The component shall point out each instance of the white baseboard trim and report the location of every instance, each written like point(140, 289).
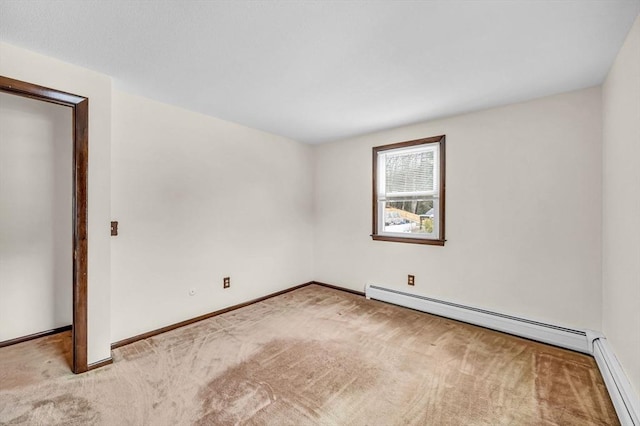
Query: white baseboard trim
point(590, 342)
point(559, 336)
point(622, 395)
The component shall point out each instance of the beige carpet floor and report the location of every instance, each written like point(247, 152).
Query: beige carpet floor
point(314, 356)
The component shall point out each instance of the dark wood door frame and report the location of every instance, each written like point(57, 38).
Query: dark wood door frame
point(80, 113)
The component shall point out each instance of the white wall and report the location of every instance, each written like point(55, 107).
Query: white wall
point(621, 206)
point(523, 215)
point(198, 199)
point(34, 68)
point(36, 244)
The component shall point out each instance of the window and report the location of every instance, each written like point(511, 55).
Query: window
point(408, 191)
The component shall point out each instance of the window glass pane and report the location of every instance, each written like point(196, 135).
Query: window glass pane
point(411, 216)
point(409, 172)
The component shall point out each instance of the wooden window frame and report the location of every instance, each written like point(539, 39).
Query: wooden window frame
point(80, 115)
point(375, 235)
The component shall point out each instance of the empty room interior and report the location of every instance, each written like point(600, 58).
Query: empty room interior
point(319, 212)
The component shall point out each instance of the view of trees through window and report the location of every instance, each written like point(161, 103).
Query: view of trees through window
point(409, 216)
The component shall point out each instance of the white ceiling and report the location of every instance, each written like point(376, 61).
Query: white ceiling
point(318, 71)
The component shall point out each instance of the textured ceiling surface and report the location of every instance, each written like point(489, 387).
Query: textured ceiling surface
point(317, 71)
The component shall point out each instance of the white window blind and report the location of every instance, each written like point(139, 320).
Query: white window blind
point(408, 173)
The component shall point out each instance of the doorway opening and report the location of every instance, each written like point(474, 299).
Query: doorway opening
point(80, 163)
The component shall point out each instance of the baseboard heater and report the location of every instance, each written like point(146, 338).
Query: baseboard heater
point(576, 340)
point(624, 400)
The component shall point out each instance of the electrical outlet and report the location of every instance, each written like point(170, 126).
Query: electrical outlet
point(226, 282)
point(411, 280)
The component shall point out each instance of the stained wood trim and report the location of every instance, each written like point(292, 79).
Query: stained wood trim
point(443, 188)
point(99, 364)
point(152, 333)
point(41, 93)
point(406, 144)
point(409, 240)
point(335, 287)
point(80, 116)
point(80, 246)
point(441, 139)
point(34, 336)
